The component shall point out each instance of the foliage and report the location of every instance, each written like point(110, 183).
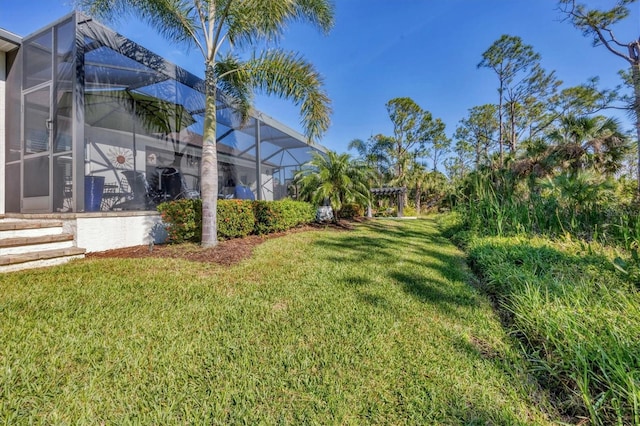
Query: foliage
point(577, 319)
point(599, 25)
point(373, 153)
point(351, 210)
point(334, 178)
point(582, 205)
point(524, 89)
point(182, 219)
point(237, 218)
point(415, 133)
point(275, 216)
point(317, 327)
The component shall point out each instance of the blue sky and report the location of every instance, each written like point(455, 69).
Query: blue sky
point(381, 49)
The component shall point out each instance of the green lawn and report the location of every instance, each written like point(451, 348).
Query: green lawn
point(373, 326)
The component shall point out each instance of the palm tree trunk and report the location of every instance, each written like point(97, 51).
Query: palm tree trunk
point(209, 170)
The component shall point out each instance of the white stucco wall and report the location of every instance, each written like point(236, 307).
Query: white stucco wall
point(3, 76)
point(100, 233)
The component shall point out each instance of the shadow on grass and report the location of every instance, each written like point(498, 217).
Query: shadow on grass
point(404, 254)
point(429, 291)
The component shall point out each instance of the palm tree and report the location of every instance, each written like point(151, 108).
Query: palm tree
point(335, 178)
point(218, 29)
point(589, 142)
point(375, 154)
point(417, 175)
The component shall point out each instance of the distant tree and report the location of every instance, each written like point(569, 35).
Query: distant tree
point(599, 25)
point(335, 178)
point(478, 134)
point(460, 164)
point(439, 143)
point(414, 129)
point(417, 175)
point(522, 89)
point(218, 29)
point(374, 153)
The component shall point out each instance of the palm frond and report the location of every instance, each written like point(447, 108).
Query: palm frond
point(288, 75)
point(252, 20)
point(176, 20)
point(235, 84)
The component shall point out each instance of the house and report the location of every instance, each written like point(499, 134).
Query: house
point(96, 130)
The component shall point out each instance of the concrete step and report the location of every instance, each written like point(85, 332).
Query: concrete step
point(18, 245)
point(28, 228)
point(38, 259)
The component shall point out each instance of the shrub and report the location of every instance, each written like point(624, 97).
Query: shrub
point(235, 219)
point(275, 216)
point(351, 210)
point(183, 219)
point(409, 211)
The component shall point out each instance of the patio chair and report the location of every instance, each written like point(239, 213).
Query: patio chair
point(170, 184)
point(139, 197)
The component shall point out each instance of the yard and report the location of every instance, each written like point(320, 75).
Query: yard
point(373, 325)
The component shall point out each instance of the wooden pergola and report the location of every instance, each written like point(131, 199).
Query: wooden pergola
point(390, 192)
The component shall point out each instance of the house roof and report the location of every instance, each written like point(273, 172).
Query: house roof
point(8, 41)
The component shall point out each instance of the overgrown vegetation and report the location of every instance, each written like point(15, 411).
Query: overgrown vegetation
point(547, 208)
point(577, 318)
point(236, 218)
point(560, 256)
point(372, 326)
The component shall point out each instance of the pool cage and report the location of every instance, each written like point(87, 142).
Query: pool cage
point(96, 122)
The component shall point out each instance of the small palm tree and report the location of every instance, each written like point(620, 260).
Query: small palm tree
point(417, 175)
point(336, 179)
point(375, 154)
point(582, 143)
point(219, 29)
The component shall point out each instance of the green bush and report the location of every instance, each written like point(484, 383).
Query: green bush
point(183, 220)
point(276, 216)
point(409, 211)
point(351, 210)
point(236, 218)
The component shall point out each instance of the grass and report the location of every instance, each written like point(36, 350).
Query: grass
point(374, 326)
point(578, 318)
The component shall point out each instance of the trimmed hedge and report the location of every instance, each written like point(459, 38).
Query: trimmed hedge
point(236, 218)
point(276, 216)
point(183, 220)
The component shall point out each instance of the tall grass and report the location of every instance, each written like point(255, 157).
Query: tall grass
point(562, 256)
point(583, 206)
point(578, 321)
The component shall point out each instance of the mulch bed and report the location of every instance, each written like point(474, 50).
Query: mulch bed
point(226, 253)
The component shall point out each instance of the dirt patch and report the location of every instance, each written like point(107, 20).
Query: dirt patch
point(226, 253)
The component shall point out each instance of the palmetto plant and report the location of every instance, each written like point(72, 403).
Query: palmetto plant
point(589, 142)
point(335, 178)
point(219, 29)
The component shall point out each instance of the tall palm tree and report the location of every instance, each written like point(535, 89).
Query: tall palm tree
point(219, 29)
point(335, 178)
